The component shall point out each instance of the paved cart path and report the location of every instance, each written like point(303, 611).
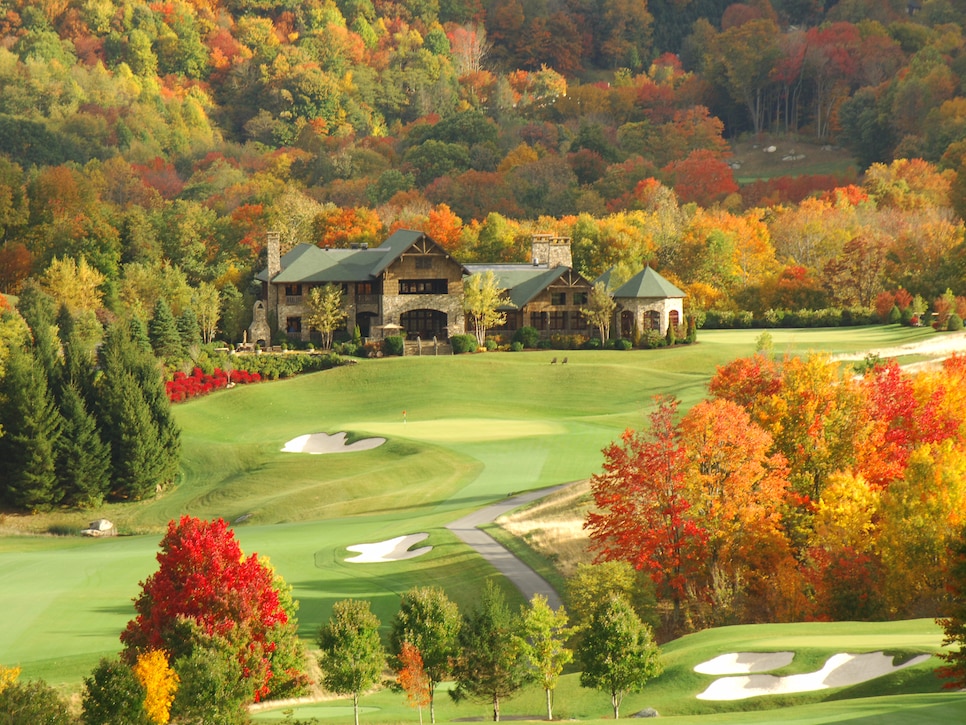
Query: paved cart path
point(523, 577)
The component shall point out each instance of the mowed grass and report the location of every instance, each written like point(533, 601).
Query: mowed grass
point(476, 429)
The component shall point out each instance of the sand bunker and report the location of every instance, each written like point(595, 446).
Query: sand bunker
point(390, 550)
point(336, 443)
point(743, 663)
point(841, 670)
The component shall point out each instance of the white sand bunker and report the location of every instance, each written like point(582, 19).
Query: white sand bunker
point(323, 443)
point(841, 670)
point(742, 663)
point(391, 550)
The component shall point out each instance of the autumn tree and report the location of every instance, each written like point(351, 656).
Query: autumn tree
point(204, 581)
point(542, 640)
point(160, 683)
point(600, 310)
point(326, 312)
point(482, 297)
point(74, 283)
point(429, 621)
point(642, 513)
point(413, 679)
point(352, 655)
point(618, 653)
point(489, 667)
point(738, 489)
point(953, 620)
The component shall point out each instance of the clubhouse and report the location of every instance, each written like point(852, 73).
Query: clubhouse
point(410, 285)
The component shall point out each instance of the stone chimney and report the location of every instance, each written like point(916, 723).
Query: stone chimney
point(273, 254)
point(273, 250)
point(550, 250)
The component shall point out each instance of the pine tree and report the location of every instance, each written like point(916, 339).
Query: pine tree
point(135, 419)
point(188, 329)
point(83, 458)
point(38, 311)
point(163, 333)
point(31, 427)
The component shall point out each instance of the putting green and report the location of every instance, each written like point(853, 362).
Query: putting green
point(463, 430)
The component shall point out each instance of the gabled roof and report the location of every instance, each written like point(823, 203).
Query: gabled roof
point(522, 282)
point(647, 284)
point(307, 263)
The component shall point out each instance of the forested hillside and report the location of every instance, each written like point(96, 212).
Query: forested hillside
point(147, 147)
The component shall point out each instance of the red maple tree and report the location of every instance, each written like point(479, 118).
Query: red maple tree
point(643, 512)
point(203, 577)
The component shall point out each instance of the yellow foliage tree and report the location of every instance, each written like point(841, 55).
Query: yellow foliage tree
point(8, 675)
point(160, 684)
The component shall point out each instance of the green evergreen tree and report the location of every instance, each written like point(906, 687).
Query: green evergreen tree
point(38, 310)
point(31, 427)
point(188, 329)
point(490, 666)
point(139, 333)
point(83, 458)
point(135, 419)
point(163, 333)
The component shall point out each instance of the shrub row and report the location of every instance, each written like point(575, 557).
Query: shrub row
point(828, 317)
point(273, 367)
point(183, 387)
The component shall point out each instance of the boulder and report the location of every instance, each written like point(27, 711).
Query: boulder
point(100, 527)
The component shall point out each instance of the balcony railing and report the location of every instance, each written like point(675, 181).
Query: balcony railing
point(293, 299)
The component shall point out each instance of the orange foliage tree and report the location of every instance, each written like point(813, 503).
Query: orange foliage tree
point(413, 678)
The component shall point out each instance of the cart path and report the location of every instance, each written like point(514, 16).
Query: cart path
point(523, 577)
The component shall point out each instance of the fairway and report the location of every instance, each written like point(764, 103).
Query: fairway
point(476, 429)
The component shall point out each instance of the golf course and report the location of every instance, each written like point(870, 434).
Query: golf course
point(459, 433)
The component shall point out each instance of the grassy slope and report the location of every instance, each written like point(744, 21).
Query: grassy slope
point(478, 428)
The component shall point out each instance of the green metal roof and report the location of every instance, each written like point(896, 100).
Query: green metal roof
point(647, 284)
point(307, 263)
point(522, 282)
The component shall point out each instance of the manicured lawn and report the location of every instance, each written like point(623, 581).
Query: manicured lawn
point(477, 428)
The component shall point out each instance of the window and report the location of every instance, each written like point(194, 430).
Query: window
point(580, 298)
point(538, 320)
point(424, 262)
point(293, 290)
point(652, 320)
point(558, 320)
point(293, 325)
point(673, 318)
point(558, 298)
point(423, 287)
point(364, 288)
point(578, 321)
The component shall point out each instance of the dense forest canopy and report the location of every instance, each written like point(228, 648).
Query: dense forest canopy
point(147, 147)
